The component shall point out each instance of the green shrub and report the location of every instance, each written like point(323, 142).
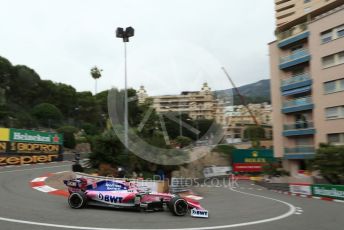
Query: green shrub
point(68, 136)
point(47, 114)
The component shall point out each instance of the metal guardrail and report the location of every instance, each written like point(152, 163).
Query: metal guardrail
point(274, 186)
point(300, 149)
point(294, 55)
point(113, 178)
point(295, 30)
point(180, 184)
point(298, 102)
point(299, 125)
point(296, 78)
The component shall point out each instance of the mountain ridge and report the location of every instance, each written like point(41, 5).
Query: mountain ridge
point(257, 92)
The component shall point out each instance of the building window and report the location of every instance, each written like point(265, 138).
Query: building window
point(326, 37)
point(328, 61)
point(335, 112)
point(340, 31)
point(334, 86)
point(335, 138)
point(307, 9)
point(332, 34)
point(333, 59)
point(297, 48)
point(330, 87)
point(298, 71)
point(340, 57)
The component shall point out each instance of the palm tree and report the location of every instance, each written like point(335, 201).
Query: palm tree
point(96, 73)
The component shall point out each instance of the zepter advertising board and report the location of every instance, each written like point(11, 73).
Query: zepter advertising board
point(18, 146)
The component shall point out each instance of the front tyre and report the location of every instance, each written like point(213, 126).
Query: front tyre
point(178, 206)
point(77, 200)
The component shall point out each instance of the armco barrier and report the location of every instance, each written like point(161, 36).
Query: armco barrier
point(152, 185)
point(328, 191)
point(284, 187)
point(180, 184)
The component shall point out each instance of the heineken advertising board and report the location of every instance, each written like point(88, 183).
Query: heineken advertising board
point(21, 135)
point(18, 146)
point(328, 190)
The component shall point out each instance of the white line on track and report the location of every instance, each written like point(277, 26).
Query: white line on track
point(61, 172)
point(340, 201)
point(290, 212)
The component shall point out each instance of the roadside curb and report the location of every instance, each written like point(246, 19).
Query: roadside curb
point(40, 185)
point(307, 196)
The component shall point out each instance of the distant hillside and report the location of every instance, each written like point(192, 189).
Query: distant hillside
point(257, 92)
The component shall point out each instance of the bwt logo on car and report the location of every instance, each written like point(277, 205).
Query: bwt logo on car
point(111, 199)
point(199, 213)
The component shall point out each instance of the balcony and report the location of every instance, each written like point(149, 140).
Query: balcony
point(293, 39)
point(293, 35)
point(283, 4)
point(296, 81)
point(299, 128)
point(299, 104)
point(297, 57)
point(299, 152)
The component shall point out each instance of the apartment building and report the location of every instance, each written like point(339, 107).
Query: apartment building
point(291, 10)
point(238, 118)
point(197, 104)
point(238, 114)
point(307, 79)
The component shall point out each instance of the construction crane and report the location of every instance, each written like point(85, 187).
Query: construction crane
point(241, 97)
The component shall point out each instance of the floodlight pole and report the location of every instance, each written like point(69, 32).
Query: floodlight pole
point(125, 34)
point(125, 97)
point(180, 122)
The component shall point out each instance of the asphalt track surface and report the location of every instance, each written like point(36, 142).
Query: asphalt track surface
point(25, 208)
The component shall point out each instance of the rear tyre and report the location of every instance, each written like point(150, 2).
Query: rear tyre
point(178, 206)
point(77, 200)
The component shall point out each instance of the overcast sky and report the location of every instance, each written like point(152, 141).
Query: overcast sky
point(178, 45)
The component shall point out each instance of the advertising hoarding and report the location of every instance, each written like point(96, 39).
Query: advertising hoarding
point(299, 188)
point(20, 135)
point(328, 190)
point(247, 167)
point(251, 160)
point(18, 146)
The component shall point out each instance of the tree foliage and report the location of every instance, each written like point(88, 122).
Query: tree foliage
point(183, 141)
point(22, 89)
point(329, 160)
point(274, 169)
point(68, 136)
point(47, 114)
point(254, 134)
point(106, 148)
point(225, 149)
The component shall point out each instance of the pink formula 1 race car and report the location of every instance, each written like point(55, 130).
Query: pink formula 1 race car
point(122, 194)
